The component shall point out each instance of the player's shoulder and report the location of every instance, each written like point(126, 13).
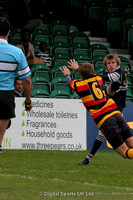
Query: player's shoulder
point(16, 52)
point(15, 48)
point(119, 70)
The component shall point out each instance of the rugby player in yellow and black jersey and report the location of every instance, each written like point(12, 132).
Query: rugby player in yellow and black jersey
point(103, 110)
point(112, 76)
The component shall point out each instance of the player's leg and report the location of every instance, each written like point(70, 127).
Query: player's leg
point(121, 138)
point(129, 142)
point(121, 150)
point(124, 151)
point(97, 143)
point(3, 126)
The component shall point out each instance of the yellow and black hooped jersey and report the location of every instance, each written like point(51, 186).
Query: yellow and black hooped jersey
point(94, 98)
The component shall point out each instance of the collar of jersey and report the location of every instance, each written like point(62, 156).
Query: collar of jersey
point(3, 40)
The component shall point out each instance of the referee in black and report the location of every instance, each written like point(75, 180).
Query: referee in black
point(12, 61)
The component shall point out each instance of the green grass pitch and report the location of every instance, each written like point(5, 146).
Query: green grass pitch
point(55, 175)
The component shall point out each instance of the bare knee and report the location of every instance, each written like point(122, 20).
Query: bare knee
point(121, 150)
point(100, 133)
point(129, 142)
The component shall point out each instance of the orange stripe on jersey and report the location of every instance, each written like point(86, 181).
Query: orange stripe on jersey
point(83, 85)
point(110, 103)
point(106, 117)
point(71, 85)
point(100, 82)
point(82, 88)
point(86, 98)
point(92, 102)
point(90, 98)
point(96, 77)
point(104, 110)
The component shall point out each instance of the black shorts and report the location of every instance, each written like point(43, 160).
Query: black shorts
point(116, 130)
point(7, 104)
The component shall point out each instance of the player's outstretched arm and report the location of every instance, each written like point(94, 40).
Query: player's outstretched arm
point(65, 70)
point(73, 65)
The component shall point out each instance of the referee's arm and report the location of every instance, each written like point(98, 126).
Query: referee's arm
point(27, 90)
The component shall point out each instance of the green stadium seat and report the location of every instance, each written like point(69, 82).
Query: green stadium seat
point(61, 62)
point(58, 22)
point(44, 74)
point(128, 13)
point(79, 45)
point(113, 3)
point(98, 48)
point(63, 50)
point(76, 7)
point(40, 68)
point(77, 34)
point(99, 68)
point(95, 20)
point(82, 40)
point(60, 84)
point(96, 59)
point(124, 59)
point(127, 26)
point(43, 38)
point(113, 12)
point(41, 83)
point(77, 76)
point(58, 56)
point(82, 58)
point(61, 94)
point(63, 39)
point(61, 32)
point(95, 3)
point(124, 64)
point(81, 51)
point(56, 71)
point(45, 31)
point(115, 32)
point(129, 94)
point(61, 27)
point(128, 3)
point(130, 81)
point(60, 44)
point(40, 93)
point(75, 96)
point(130, 42)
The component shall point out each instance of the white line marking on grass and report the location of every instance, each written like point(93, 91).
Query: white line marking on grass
point(17, 175)
point(84, 183)
point(92, 184)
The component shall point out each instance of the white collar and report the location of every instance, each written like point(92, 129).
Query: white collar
point(3, 40)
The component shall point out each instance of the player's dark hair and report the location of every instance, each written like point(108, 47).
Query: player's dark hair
point(4, 26)
point(16, 80)
point(25, 30)
point(41, 44)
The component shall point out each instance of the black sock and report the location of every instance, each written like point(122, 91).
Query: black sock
point(98, 142)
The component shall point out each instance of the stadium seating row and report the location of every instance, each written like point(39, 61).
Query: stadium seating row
point(115, 17)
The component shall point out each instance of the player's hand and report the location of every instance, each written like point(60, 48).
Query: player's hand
point(124, 77)
point(65, 70)
point(73, 64)
point(28, 105)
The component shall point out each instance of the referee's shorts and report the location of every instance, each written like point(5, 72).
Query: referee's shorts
point(7, 104)
point(116, 130)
